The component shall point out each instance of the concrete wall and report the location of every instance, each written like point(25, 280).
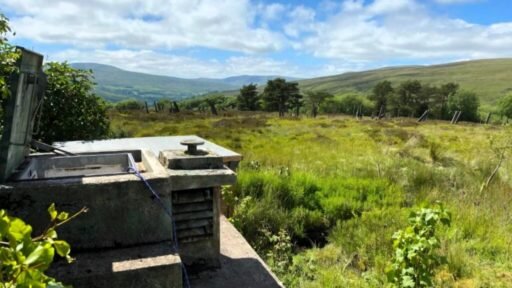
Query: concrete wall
point(122, 211)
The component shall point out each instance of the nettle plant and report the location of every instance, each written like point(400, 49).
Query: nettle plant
point(24, 259)
point(416, 256)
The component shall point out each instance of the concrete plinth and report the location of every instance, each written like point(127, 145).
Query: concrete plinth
point(156, 266)
point(121, 213)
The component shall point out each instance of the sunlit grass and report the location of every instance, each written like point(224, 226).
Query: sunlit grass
point(349, 185)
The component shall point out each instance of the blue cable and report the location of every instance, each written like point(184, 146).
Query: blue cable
point(168, 211)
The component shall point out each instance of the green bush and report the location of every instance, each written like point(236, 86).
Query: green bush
point(71, 111)
point(416, 258)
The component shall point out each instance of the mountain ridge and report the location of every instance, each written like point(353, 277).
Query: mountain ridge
point(116, 84)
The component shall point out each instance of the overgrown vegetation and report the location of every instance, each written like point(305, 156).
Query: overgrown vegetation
point(320, 198)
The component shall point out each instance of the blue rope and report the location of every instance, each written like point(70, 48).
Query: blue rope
point(168, 211)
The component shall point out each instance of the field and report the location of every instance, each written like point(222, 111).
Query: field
point(321, 198)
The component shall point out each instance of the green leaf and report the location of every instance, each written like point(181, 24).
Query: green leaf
point(63, 216)
point(52, 211)
point(41, 257)
point(18, 230)
point(52, 234)
point(62, 247)
point(407, 281)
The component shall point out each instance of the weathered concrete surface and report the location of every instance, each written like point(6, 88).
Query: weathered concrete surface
point(121, 209)
point(193, 179)
point(180, 160)
point(53, 166)
point(155, 144)
point(152, 266)
point(240, 265)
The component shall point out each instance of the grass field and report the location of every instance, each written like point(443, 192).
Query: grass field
point(320, 198)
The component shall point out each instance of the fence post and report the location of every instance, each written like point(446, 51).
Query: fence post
point(423, 116)
point(488, 118)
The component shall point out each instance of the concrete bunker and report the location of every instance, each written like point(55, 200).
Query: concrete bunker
point(126, 239)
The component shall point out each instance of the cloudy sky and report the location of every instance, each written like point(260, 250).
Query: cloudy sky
point(219, 38)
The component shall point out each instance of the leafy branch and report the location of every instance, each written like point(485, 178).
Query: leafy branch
point(23, 259)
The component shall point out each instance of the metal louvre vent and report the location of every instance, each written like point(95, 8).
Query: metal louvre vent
point(193, 214)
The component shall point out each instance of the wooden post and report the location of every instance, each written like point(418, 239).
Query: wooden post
point(488, 118)
point(156, 106)
point(423, 116)
point(146, 104)
point(458, 117)
point(381, 111)
point(454, 116)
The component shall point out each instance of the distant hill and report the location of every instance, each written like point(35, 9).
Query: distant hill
point(490, 79)
point(115, 84)
point(247, 79)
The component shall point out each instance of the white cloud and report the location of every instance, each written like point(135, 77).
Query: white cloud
point(302, 19)
point(347, 35)
point(272, 11)
point(391, 6)
point(389, 30)
point(147, 61)
point(455, 1)
point(221, 24)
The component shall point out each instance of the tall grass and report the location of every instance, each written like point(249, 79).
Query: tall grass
point(340, 188)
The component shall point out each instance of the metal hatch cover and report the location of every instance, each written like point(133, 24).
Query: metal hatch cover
point(26, 93)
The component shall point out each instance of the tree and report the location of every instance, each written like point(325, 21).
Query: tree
point(276, 95)
point(71, 111)
point(295, 98)
point(248, 99)
point(407, 99)
point(381, 94)
point(441, 102)
point(315, 99)
point(467, 102)
point(129, 104)
point(8, 58)
point(505, 106)
point(214, 101)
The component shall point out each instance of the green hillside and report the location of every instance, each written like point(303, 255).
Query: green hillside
point(115, 84)
point(490, 79)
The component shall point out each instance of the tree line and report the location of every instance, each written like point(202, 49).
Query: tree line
point(412, 98)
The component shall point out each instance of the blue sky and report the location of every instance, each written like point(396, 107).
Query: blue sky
point(220, 38)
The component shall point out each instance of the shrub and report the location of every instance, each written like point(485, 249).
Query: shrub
point(415, 247)
point(467, 102)
point(71, 111)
